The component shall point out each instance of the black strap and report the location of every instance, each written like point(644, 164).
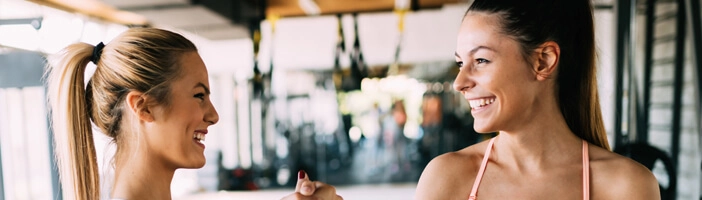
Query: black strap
point(97, 51)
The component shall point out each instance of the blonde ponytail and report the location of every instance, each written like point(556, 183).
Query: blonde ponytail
point(70, 121)
point(140, 59)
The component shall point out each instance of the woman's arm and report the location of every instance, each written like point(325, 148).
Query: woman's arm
point(617, 177)
point(633, 181)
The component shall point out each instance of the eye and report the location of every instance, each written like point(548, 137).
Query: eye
point(459, 64)
point(481, 61)
point(200, 96)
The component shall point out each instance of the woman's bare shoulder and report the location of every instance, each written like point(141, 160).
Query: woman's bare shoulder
point(451, 174)
point(614, 176)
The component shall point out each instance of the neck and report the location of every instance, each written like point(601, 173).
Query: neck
point(541, 142)
point(137, 177)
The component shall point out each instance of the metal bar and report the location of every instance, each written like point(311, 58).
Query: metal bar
point(677, 90)
point(634, 106)
point(642, 125)
point(696, 18)
point(624, 8)
point(633, 97)
point(35, 22)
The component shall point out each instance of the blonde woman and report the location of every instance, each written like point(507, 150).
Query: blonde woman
point(150, 94)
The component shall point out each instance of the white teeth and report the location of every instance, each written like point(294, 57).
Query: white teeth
point(199, 136)
point(480, 102)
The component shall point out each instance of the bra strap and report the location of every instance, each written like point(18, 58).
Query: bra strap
point(483, 165)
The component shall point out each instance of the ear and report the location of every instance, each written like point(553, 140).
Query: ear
point(546, 62)
point(137, 104)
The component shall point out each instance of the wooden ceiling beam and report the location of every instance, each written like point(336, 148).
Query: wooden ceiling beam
point(286, 8)
point(97, 9)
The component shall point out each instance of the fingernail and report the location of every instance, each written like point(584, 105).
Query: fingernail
point(301, 174)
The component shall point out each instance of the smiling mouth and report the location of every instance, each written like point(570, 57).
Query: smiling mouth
point(478, 103)
point(199, 137)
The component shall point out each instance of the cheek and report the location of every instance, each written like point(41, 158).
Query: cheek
point(198, 112)
point(190, 110)
point(191, 117)
point(510, 80)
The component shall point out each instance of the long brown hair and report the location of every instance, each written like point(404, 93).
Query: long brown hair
point(570, 24)
point(141, 59)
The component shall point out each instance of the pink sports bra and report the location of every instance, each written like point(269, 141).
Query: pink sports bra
point(483, 165)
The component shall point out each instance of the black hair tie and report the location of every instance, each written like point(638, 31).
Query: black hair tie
point(97, 51)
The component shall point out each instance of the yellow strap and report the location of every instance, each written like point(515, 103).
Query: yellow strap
point(272, 19)
point(400, 19)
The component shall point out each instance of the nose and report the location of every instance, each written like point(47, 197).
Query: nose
point(211, 116)
point(463, 81)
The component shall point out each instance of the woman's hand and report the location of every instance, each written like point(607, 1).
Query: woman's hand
point(312, 190)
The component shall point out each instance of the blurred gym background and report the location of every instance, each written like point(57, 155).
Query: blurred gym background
point(355, 92)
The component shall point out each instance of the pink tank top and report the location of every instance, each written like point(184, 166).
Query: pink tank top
point(483, 165)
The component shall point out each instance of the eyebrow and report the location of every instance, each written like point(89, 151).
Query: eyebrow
point(207, 90)
point(472, 51)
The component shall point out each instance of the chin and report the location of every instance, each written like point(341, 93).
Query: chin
point(483, 128)
point(200, 164)
point(195, 164)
